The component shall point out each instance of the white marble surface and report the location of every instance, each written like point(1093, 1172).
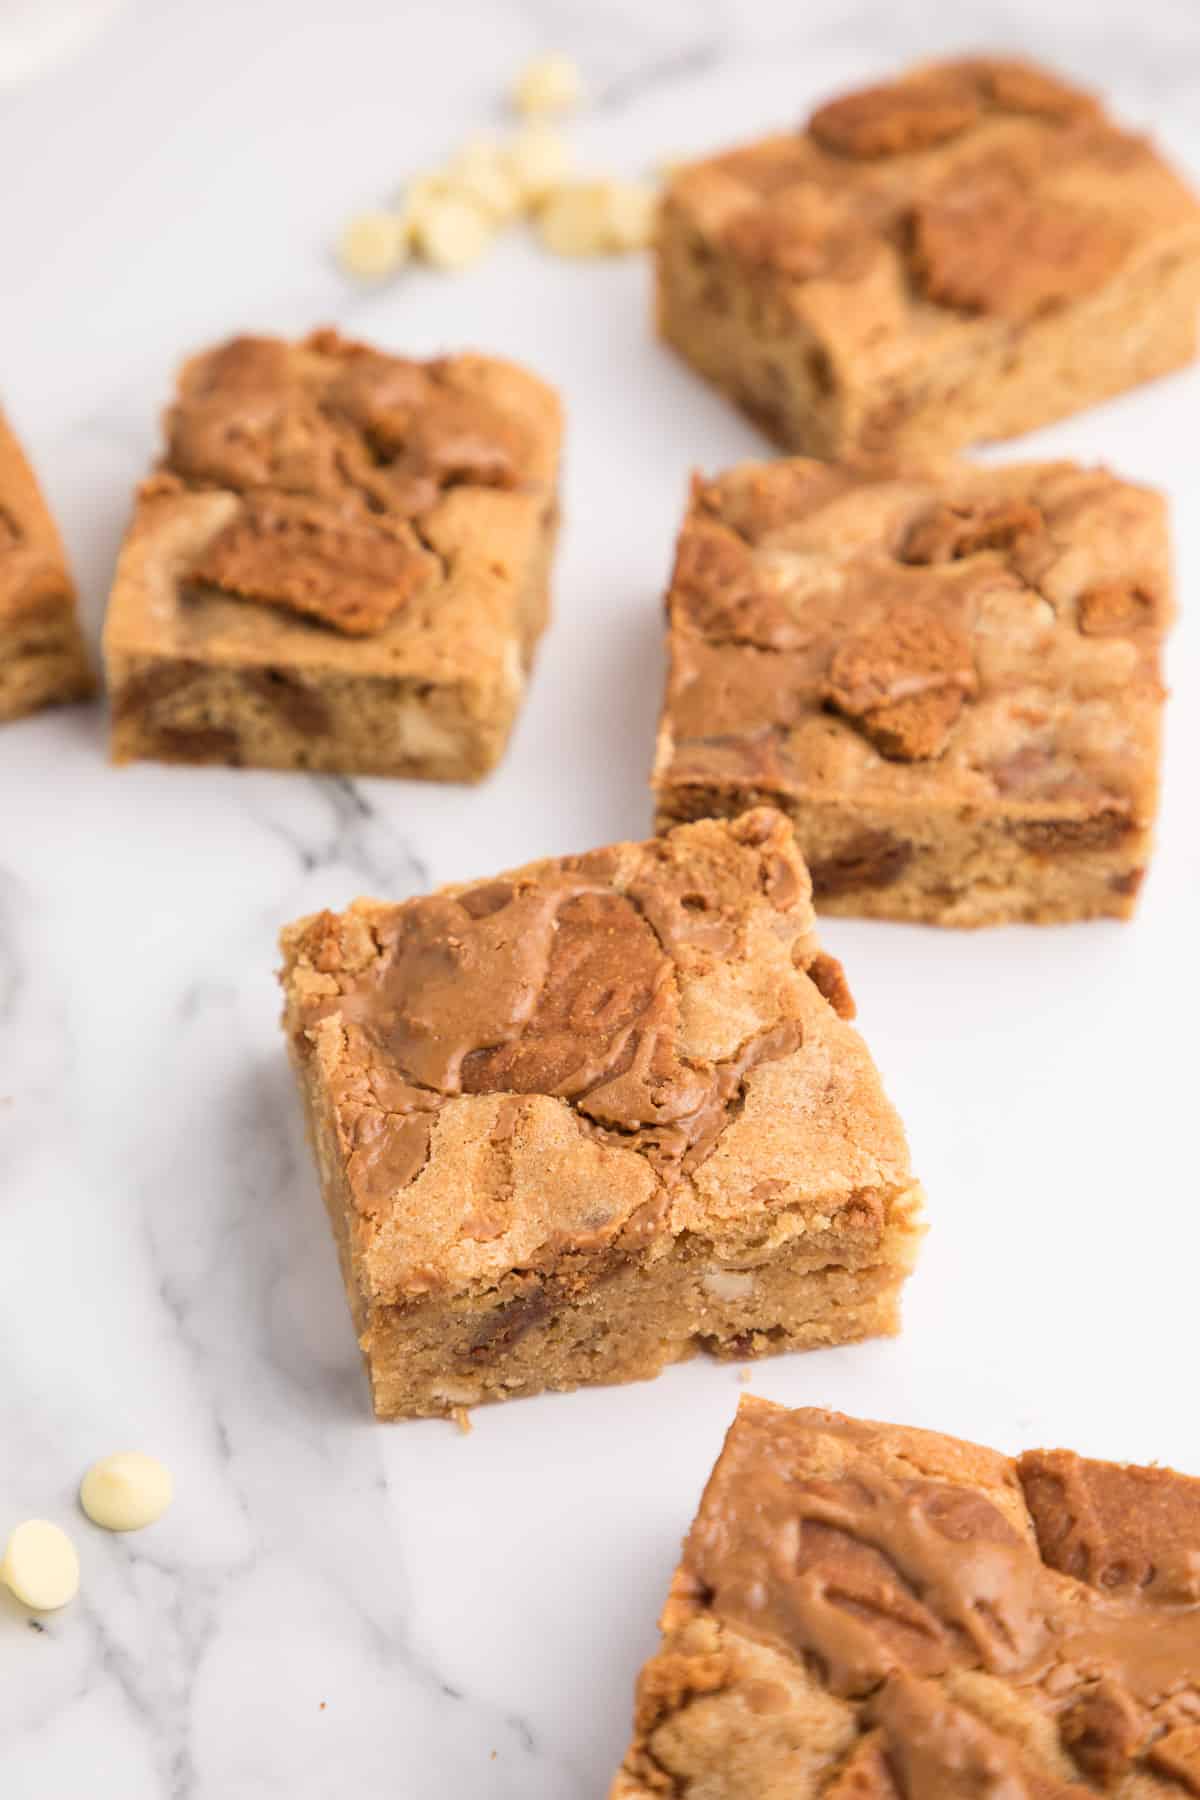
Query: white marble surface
point(338, 1608)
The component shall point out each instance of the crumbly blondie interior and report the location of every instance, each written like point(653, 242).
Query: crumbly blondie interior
point(950, 680)
point(868, 1612)
point(43, 661)
point(592, 1116)
point(965, 253)
point(342, 563)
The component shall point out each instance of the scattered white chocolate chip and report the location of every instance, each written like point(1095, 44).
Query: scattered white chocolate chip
point(40, 1566)
point(451, 233)
point(549, 84)
point(480, 172)
point(728, 1284)
point(598, 218)
point(632, 212)
point(540, 160)
point(449, 215)
point(574, 221)
point(422, 192)
point(373, 245)
point(126, 1491)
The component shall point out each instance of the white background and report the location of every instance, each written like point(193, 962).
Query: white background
point(166, 1279)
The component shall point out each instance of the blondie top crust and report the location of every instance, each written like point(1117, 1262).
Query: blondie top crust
point(869, 1612)
point(951, 681)
point(42, 656)
point(583, 1119)
point(341, 564)
point(964, 253)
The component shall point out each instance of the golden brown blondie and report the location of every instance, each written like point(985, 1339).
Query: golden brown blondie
point(42, 656)
point(868, 1612)
point(951, 681)
point(587, 1118)
point(342, 563)
point(964, 253)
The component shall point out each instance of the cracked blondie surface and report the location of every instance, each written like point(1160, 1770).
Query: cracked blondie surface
point(584, 1119)
point(869, 1612)
point(43, 661)
point(950, 680)
point(342, 562)
point(964, 253)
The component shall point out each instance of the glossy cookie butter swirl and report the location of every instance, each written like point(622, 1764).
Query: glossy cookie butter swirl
point(564, 982)
point(1075, 1584)
point(838, 633)
point(337, 452)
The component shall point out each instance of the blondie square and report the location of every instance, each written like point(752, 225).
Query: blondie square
point(951, 681)
point(580, 1121)
point(42, 655)
point(867, 1612)
point(342, 563)
point(964, 253)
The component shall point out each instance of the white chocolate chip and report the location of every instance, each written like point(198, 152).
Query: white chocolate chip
point(126, 1491)
point(373, 245)
point(598, 218)
point(422, 192)
point(449, 215)
point(540, 160)
point(549, 84)
point(728, 1284)
point(481, 173)
point(512, 670)
point(451, 233)
point(40, 1566)
point(457, 1393)
point(574, 221)
point(632, 212)
point(420, 734)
